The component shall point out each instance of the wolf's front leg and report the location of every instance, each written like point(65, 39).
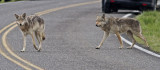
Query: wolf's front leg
point(120, 40)
point(104, 38)
point(24, 43)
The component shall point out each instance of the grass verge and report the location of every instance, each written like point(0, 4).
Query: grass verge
point(150, 24)
point(9, 1)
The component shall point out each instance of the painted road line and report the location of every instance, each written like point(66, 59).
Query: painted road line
point(64, 7)
point(39, 13)
point(14, 61)
point(4, 42)
point(9, 58)
point(136, 46)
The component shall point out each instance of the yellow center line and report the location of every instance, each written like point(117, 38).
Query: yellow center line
point(16, 62)
point(64, 7)
point(12, 53)
point(9, 58)
point(39, 13)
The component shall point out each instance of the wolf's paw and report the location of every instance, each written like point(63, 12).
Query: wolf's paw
point(120, 47)
point(97, 48)
point(147, 46)
point(129, 47)
point(22, 50)
point(39, 50)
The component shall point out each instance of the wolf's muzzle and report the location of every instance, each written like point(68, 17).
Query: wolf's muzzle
point(97, 25)
point(20, 24)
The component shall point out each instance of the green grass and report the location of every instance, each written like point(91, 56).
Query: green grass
point(9, 1)
point(1, 1)
point(150, 24)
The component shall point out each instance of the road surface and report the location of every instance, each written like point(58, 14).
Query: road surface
point(71, 38)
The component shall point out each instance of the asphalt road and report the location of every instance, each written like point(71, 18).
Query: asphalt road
point(71, 38)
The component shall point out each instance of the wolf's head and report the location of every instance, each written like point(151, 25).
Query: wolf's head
point(21, 19)
point(101, 21)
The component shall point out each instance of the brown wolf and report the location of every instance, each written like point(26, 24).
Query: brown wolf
point(120, 25)
point(31, 25)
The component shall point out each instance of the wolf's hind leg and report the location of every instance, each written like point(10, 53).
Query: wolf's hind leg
point(143, 38)
point(33, 40)
point(130, 35)
point(39, 38)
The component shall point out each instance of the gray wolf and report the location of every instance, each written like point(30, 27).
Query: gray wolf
point(117, 26)
point(31, 25)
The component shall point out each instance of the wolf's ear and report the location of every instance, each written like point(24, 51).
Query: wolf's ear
point(16, 16)
point(24, 15)
point(103, 16)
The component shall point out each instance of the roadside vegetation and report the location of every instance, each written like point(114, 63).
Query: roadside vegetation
point(2, 1)
point(150, 24)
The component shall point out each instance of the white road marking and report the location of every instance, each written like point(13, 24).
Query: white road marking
point(136, 46)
